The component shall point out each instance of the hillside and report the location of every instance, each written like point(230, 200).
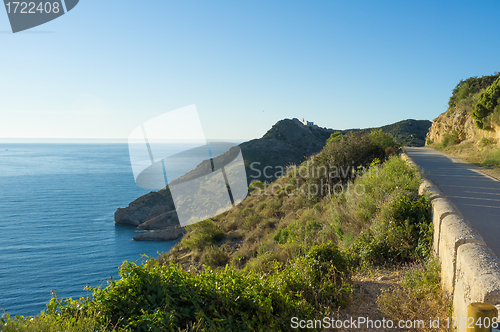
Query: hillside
point(288, 142)
point(409, 132)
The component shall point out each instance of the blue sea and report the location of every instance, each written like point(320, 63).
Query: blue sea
point(57, 231)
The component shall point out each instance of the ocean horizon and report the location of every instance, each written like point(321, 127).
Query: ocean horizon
point(57, 202)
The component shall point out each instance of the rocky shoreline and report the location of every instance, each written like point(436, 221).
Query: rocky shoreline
point(154, 213)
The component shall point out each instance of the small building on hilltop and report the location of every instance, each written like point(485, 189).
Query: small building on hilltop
point(307, 123)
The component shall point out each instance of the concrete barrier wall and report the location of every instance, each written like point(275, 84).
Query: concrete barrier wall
point(470, 271)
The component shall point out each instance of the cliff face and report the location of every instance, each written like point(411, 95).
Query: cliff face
point(461, 122)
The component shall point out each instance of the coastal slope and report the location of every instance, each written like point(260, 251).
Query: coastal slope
point(288, 142)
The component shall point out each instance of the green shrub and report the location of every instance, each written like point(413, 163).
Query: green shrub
point(303, 231)
point(321, 276)
point(51, 323)
point(167, 298)
point(251, 221)
point(202, 234)
point(335, 137)
point(450, 139)
point(402, 232)
point(492, 159)
point(326, 260)
point(281, 236)
point(485, 142)
point(340, 160)
point(486, 104)
point(256, 186)
point(215, 256)
point(383, 139)
point(467, 88)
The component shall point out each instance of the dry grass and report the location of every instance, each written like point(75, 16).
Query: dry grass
point(419, 297)
point(485, 153)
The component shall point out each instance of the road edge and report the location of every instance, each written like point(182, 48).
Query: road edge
point(470, 271)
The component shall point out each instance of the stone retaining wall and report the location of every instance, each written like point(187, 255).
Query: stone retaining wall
point(470, 271)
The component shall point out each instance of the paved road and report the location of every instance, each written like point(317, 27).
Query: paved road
point(475, 194)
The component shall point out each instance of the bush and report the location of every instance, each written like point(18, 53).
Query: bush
point(486, 104)
point(383, 139)
point(402, 233)
point(469, 87)
point(450, 139)
point(485, 142)
point(167, 298)
point(202, 234)
point(340, 160)
point(257, 186)
point(51, 323)
point(215, 257)
point(251, 221)
point(335, 137)
point(492, 159)
point(281, 236)
point(321, 276)
point(326, 260)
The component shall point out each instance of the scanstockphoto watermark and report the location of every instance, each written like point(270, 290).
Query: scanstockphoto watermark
point(25, 15)
point(365, 323)
point(362, 323)
point(336, 180)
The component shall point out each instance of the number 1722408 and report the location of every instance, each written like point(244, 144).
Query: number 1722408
point(32, 8)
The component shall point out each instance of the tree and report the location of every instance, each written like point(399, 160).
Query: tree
point(486, 104)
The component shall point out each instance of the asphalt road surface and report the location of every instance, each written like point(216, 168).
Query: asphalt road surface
point(475, 194)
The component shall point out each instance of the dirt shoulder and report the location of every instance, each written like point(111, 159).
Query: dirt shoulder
point(367, 288)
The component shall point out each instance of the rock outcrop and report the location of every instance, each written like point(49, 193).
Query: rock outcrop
point(145, 208)
point(460, 122)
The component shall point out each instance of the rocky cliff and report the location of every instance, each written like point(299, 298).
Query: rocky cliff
point(287, 142)
point(459, 122)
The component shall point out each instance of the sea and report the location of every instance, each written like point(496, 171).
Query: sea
point(57, 230)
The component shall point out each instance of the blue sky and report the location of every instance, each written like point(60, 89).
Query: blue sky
point(107, 66)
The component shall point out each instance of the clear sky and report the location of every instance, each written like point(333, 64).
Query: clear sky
point(109, 65)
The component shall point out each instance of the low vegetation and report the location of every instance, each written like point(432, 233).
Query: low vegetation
point(418, 297)
point(485, 153)
point(479, 96)
point(288, 250)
